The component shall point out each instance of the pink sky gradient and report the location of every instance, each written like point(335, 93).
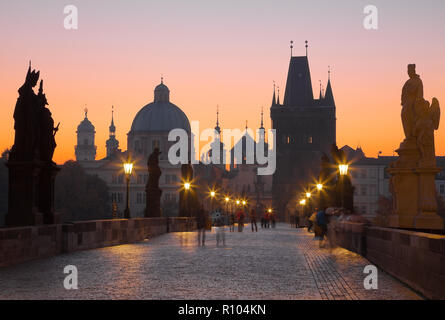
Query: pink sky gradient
point(226, 53)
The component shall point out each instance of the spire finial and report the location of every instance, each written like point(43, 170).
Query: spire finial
point(86, 111)
point(306, 42)
point(261, 117)
point(278, 99)
point(112, 114)
point(291, 47)
point(246, 125)
point(162, 79)
point(217, 115)
point(329, 72)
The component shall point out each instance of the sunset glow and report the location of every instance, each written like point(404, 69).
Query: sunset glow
point(225, 53)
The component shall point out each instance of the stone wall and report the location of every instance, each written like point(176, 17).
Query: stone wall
point(415, 258)
point(33, 242)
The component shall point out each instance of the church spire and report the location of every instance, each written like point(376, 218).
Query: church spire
point(278, 100)
point(274, 100)
point(329, 96)
point(262, 127)
point(112, 127)
point(217, 128)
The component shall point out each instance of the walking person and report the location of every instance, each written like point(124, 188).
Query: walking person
point(297, 219)
point(201, 224)
point(232, 222)
point(240, 218)
point(323, 224)
point(272, 219)
point(220, 232)
point(253, 219)
point(266, 219)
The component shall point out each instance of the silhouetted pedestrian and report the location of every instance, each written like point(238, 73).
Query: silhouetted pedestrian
point(201, 224)
point(253, 219)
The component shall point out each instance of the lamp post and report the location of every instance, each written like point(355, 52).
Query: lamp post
point(187, 186)
point(212, 196)
point(319, 189)
point(343, 169)
point(309, 203)
point(128, 168)
point(227, 199)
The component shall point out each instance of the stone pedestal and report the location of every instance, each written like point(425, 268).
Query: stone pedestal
point(31, 193)
point(153, 201)
point(414, 191)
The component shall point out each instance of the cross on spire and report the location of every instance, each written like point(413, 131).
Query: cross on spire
point(306, 42)
point(291, 47)
point(261, 118)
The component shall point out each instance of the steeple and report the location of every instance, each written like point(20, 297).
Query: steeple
point(298, 85)
point(112, 144)
point(329, 96)
point(274, 100)
point(262, 127)
point(217, 128)
point(112, 127)
point(278, 100)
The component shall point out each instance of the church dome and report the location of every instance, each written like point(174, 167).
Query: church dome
point(85, 125)
point(160, 115)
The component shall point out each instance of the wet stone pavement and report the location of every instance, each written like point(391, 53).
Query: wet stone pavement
point(280, 263)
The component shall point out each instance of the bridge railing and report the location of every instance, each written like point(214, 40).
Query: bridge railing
point(33, 242)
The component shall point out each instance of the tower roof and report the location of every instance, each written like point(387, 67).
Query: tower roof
point(112, 126)
point(85, 125)
point(329, 96)
point(298, 86)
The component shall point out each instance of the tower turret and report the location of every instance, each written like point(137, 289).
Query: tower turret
point(112, 143)
point(85, 149)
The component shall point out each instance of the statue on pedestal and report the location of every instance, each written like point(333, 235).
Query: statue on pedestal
point(153, 192)
point(412, 175)
point(31, 169)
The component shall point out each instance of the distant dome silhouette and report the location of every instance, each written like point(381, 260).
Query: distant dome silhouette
point(160, 115)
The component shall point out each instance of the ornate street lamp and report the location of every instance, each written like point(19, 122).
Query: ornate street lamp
point(343, 169)
point(128, 168)
point(212, 196)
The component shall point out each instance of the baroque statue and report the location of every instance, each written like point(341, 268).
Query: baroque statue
point(153, 192)
point(31, 169)
point(419, 118)
point(412, 181)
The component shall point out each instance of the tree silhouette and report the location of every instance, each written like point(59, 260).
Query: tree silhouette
point(80, 196)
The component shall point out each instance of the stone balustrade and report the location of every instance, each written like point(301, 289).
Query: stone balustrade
point(33, 242)
point(415, 258)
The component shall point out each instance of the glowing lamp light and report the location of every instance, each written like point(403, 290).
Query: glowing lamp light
point(270, 210)
point(227, 199)
point(244, 202)
point(343, 168)
point(128, 168)
point(308, 194)
point(212, 194)
point(237, 201)
point(303, 202)
point(187, 186)
point(319, 187)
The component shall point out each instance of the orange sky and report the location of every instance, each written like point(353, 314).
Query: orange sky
point(219, 53)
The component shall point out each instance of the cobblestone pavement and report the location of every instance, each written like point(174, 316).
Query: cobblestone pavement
point(281, 263)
